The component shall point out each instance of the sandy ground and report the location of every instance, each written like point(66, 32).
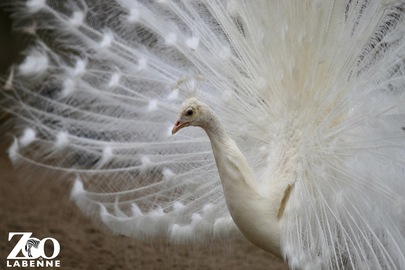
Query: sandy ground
point(29, 204)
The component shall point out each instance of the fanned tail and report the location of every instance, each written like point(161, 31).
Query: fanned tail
point(347, 207)
point(97, 97)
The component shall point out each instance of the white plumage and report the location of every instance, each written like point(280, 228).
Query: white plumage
point(312, 94)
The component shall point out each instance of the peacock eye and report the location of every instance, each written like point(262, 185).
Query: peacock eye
point(189, 112)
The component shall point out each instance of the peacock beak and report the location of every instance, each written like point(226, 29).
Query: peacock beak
point(179, 125)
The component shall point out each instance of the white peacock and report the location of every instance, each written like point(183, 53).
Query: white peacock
point(312, 94)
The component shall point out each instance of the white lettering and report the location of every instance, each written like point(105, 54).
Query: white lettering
point(32, 248)
point(56, 247)
point(20, 245)
point(33, 263)
point(33, 252)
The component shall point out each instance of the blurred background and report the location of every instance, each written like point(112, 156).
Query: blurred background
point(10, 44)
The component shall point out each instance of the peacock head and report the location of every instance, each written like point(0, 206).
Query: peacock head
point(191, 114)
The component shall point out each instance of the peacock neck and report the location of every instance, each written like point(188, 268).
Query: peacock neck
point(251, 210)
point(215, 131)
point(227, 154)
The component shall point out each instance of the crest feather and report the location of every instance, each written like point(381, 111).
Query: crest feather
point(188, 86)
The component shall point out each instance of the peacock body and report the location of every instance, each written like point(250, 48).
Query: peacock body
point(310, 94)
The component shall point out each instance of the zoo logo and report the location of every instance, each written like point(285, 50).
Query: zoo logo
point(32, 249)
